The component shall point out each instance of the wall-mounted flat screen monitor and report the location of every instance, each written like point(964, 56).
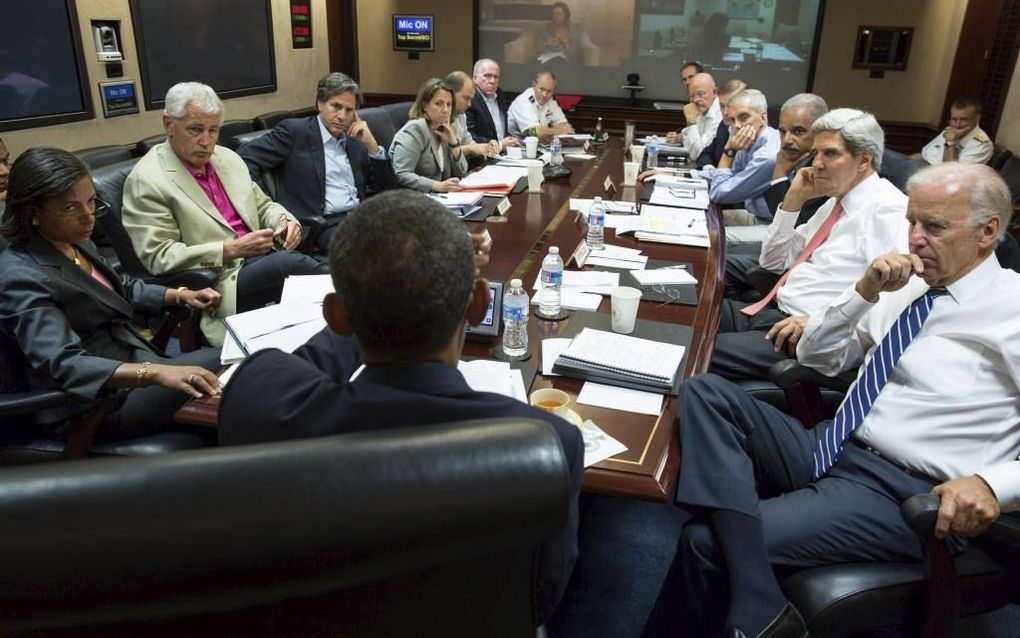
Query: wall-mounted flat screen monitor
point(42, 71)
point(592, 45)
point(227, 44)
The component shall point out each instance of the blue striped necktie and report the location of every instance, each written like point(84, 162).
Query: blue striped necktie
point(862, 394)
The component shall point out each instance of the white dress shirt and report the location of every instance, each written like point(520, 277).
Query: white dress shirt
point(975, 148)
point(951, 407)
point(341, 191)
point(525, 112)
point(698, 136)
point(873, 223)
point(497, 118)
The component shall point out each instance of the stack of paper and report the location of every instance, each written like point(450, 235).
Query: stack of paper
point(495, 178)
point(684, 196)
point(667, 225)
point(612, 256)
point(305, 289)
point(494, 376)
point(278, 326)
point(621, 360)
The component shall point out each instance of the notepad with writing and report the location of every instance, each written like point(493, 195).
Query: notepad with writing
point(621, 360)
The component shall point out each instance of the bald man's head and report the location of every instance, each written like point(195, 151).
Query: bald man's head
point(703, 92)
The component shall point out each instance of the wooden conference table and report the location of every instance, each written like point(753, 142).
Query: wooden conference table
point(649, 467)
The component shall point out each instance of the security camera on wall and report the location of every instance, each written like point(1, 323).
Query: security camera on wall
point(107, 47)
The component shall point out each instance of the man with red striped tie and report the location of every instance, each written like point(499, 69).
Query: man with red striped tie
point(935, 408)
point(862, 219)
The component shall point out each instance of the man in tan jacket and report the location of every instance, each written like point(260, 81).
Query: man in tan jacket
point(192, 204)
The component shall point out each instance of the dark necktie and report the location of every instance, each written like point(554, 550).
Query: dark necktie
point(864, 391)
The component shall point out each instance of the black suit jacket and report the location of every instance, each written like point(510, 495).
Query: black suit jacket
point(479, 120)
point(293, 151)
point(713, 152)
point(776, 192)
point(274, 396)
point(73, 331)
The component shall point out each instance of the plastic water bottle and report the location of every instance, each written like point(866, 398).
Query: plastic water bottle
point(552, 278)
point(596, 225)
point(556, 149)
point(652, 152)
point(515, 320)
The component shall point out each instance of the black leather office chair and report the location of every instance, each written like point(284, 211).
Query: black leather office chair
point(267, 121)
point(421, 531)
point(922, 599)
point(109, 184)
point(897, 167)
point(380, 124)
point(1010, 172)
point(1000, 155)
point(99, 156)
point(145, 145)
point(230, 129)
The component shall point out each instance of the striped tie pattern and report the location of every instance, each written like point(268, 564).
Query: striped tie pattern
point(862, 394)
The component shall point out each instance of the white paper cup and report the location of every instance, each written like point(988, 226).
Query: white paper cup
point(550, 400)
point(531, 147)
point(535, 177)
point(625, 304)
point(630, 173)
point(637, 154)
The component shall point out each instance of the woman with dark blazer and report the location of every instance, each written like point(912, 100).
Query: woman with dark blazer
point(70, 313)
point(425, 153)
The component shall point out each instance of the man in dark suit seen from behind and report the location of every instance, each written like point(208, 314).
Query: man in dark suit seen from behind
point(486, 118)
point(406, 282)
point(325, 164)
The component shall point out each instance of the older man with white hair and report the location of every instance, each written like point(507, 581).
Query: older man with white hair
point(192, 204)
point(935, 408)
point(862, 218)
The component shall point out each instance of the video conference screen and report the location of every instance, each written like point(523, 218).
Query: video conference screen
point(593, 45)
point(227, 44)
point(40, 69)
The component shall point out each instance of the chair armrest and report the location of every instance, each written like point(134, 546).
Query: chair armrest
point(313, 225)
point(920, 511)
point(788, 372)
point(194, 279)
point(16, 403)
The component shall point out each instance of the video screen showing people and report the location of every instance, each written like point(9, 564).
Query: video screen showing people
point(593, 45)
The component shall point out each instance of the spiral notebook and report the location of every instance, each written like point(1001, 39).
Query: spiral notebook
point(622, 360)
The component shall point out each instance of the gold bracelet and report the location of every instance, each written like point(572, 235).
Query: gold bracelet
point(179, 291)
point(142, 372)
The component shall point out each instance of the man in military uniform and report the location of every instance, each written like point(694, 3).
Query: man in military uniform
point(536, 112)
point(962, 140)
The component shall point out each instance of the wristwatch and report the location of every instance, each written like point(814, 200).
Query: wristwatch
point(730, 152)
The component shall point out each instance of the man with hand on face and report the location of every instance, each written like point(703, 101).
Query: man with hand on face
point(795, 120)
point(407, 284)
point(713, 153)
point(962, 140)
point(487, 113)
point(325, 164)
point(463, 95)
point(862, 218)
point(192, 204)
point(745, 170)
point(935, 408)
point(701, 129)
point(536, 112)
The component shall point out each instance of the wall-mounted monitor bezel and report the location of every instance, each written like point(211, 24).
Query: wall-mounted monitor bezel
point(88, 111)
point(431, 46)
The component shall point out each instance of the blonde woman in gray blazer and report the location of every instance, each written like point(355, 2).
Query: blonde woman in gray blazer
point(425, 152)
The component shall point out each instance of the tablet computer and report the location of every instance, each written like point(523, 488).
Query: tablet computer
point(489, 326)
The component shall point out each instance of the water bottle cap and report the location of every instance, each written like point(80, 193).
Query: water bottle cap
point(516, 283)
point(598, 199)
point(554, 250)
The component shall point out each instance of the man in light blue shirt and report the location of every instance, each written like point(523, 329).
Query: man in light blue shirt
point(745, 170)
point(325, 164)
